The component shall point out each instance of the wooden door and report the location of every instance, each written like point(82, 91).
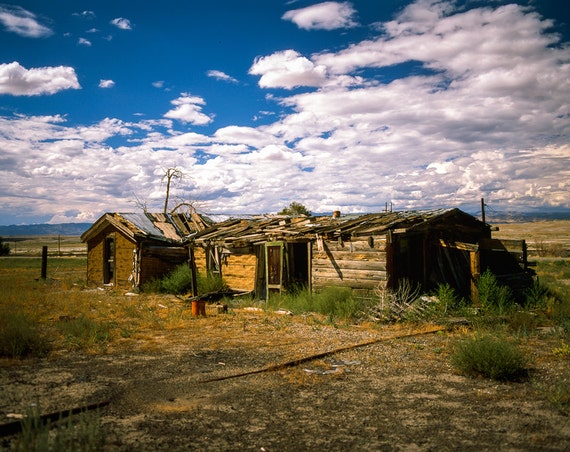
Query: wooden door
point(274, 267)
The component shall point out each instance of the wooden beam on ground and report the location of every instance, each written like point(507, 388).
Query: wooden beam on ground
point(15, 427)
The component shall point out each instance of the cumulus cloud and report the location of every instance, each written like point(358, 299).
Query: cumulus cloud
point(325, 16)
point(84, 42)
point(483, 113)
point(106, 83)
point(188, 109)
point(221, 76)
point(287, 69)
point(122, 23)
point(19, 81)
point(22, 22)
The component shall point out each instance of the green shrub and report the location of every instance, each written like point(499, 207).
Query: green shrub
point(536, 296)
point(210, 283)
point(494, 297)
point(179, 281)
point(20, 335)
point(332, 301)
point(297, 300)
point(447, 298)
point(335, 301)
point(489, 357)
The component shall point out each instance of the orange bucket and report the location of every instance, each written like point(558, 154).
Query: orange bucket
point(198, 308)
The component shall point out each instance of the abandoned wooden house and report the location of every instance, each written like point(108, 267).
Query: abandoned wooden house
point(271, 253)
point(126, 250)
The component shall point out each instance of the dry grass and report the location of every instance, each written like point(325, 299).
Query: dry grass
point(57, 245)
point(543, 238)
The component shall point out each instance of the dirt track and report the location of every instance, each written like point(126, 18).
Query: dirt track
point(396, 394)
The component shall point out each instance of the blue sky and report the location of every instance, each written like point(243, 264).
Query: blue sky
point(337, 105)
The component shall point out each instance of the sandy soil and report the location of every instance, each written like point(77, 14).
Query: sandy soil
point(400, 393)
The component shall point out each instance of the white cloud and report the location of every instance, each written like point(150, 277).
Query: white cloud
point(326, 16)
point(84, 42)
point(22, 22)
point(158, 84)
point(85, 14)
point(106, 83)
point(221, 76)
point(188, 109)
point(122, 23)
point(19, 81)
point(287, 69)
point(481, 115)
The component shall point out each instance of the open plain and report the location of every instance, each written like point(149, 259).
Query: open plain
point(255, 379)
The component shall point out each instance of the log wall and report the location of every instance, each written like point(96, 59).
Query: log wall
point(95, 262)
point(353, 264)
point(200, 259)
point(238, 271)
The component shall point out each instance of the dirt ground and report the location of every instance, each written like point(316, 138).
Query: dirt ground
point(399, 393)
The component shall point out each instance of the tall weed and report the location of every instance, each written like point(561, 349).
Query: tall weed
point(84, 333)
point(76, 433)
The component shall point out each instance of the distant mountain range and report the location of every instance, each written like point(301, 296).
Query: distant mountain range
point(76, 229)
point(26, 230)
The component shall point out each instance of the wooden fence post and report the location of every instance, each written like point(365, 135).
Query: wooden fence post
point(193, 270)
point(44, 261)
point(475, 273)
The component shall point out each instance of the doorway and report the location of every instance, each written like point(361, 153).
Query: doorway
point(109, 260)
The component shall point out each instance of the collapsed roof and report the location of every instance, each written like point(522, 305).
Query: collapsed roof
point(165, 227)
point(254, 230)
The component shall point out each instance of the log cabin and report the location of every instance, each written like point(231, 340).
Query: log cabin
point(272, 254)
point(125, 250)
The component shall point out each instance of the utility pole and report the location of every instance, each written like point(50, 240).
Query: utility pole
point(483, 210)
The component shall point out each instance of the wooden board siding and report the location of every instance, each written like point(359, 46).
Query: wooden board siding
point(95, 262)
point(123, 260)
point(238, 271)
point(352, 264)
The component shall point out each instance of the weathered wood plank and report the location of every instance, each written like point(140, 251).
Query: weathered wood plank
point(349, 274)
point(459, 245)
point(353, 284)
point(356, 245)
point(347, 255)
point(353, 265)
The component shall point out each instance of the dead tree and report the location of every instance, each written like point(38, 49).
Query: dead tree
point(169, 175)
